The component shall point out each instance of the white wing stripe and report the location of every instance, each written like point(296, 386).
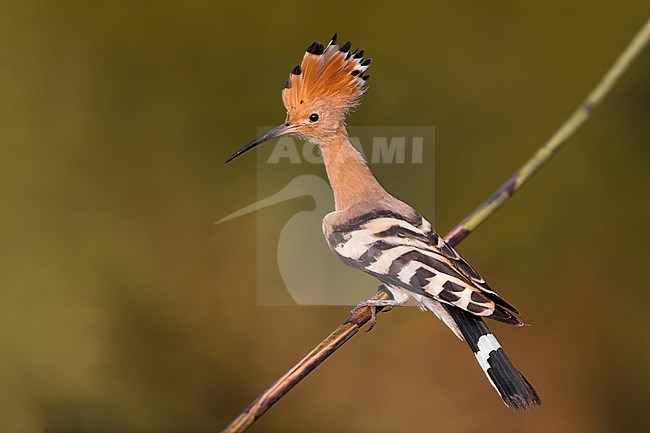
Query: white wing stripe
point(407, 272)
point(387, 258)
point(356, 245)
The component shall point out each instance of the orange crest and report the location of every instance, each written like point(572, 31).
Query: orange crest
point(327, 73)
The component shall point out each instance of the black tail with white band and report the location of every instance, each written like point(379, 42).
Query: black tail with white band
point(517, 393)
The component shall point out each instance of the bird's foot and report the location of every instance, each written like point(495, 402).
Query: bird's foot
point(374, 304)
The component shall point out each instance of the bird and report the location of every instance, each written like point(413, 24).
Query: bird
point(375, 232)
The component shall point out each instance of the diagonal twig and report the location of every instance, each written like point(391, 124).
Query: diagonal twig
point(360, 316)
point(555, 143)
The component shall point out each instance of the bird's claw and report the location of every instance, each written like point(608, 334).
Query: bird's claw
point(373, 304)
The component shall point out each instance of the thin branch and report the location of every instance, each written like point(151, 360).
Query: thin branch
point(555, 143)
point(361, 316)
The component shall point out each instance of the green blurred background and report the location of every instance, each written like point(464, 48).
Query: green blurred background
point(124, 308)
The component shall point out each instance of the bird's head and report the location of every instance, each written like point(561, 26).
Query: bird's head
point(319, 93)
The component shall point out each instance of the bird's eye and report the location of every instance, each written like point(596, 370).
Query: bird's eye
point(313, 117)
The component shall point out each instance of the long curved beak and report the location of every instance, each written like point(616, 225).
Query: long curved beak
point(278, 131)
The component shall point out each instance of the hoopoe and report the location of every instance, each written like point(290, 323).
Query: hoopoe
point(375, 232)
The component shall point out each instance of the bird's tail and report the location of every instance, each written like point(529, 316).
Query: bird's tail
point(517, 393)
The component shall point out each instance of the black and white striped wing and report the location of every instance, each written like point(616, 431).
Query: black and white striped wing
point(409, 254)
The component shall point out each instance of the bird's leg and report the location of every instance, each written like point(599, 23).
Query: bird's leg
point(376, 303)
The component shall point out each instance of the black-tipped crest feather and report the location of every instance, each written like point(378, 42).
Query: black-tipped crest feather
point(316, 48)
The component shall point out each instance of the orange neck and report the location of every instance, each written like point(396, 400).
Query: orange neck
point(349, 176)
